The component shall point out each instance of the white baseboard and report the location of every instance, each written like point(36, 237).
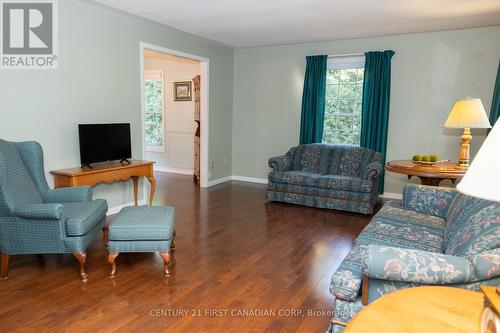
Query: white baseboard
point(237, 178)
point(179, 171)
point(249, 179)
point(116, 209)
point(219, 181)
point(389, 195)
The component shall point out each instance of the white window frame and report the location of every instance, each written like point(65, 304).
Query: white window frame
point(346, 62)
point(156, 74)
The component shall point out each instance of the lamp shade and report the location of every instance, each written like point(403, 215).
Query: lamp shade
point(468, 113)
point(482, 179)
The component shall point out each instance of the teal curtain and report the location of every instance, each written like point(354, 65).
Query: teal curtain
point(375, 105)
point(313, 100)
point(495, 105)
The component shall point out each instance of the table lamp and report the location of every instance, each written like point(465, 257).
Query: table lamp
point(467, 113)
point(482, 179)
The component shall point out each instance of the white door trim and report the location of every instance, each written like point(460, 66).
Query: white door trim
point(204, 112)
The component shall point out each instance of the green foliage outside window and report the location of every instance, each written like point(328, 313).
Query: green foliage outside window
point(344, 91)
point(154, 112)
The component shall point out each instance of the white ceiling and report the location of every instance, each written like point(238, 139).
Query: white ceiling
point(248, 23)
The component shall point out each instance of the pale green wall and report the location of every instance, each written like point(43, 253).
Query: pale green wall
point(429, 72)
point(98, 81)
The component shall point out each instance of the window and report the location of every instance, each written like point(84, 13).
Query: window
point(154, 108)
point(344, 92)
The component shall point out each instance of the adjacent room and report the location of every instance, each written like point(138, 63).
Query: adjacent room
point(172, 119)
point(258, 166)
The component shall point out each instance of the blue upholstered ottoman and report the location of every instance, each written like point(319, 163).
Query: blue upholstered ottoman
point(142, 229)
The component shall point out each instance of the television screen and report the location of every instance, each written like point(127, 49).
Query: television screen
point(104, 142)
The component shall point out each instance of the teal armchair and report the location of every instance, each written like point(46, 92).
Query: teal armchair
point(35, 219)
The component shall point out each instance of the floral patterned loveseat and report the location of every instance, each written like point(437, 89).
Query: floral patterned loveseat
point(326, 176)
point(436, 236)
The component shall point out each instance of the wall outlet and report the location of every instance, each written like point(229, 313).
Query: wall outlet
point(255, 163)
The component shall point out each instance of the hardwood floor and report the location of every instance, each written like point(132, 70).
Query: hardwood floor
point(241, 265)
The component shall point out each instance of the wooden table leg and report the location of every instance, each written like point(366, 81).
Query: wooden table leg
point(5, 266)
point(152, 180)
point(135, 179)
point(430, 181)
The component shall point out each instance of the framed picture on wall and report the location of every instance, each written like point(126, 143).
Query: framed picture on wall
point(182, 91)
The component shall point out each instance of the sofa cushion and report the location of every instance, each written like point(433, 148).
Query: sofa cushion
point(20, 185)
point(345, 183)
point(83, 216)
point(350, 160)
point(326, 159)
point(334, 182)
point(322, 193)
point(295, 178)
point(395, 226)
point(396, 211)
point(428, 199)
point(312, 158)
point(475, 229)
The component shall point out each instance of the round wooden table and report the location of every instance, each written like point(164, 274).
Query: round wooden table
point(421, 309)
point(428, 174)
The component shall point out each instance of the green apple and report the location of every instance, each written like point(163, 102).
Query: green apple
point(425, 159)
point(416, 158)
point(433, 158)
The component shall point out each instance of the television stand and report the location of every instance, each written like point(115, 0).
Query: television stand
point(122, 161)
point(108, 173)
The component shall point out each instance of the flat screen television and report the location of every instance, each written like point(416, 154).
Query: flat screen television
point(104, 142)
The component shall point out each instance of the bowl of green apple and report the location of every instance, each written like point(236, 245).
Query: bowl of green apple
point(425, 159)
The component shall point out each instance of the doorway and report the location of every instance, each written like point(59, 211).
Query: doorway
point(174, 116)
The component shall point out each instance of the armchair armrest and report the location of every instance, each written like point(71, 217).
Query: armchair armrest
point(68, 194)
point(346, 281)
point(372, 170)
point(280, 163)
point(50, 211)
point(430, 200)
point(415, 266)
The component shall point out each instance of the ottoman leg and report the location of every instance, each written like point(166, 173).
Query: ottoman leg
point(111, 260)
point(167, 258)
point(172, 245)
point(105, 235)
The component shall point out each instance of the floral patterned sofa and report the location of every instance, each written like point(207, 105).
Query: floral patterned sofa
point(326, 176)
point(436, 236)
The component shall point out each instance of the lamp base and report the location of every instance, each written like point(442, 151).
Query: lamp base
point(463, 157)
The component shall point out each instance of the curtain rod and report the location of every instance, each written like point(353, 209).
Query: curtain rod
point(346, 55)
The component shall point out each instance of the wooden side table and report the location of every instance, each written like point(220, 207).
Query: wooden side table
point(428, 174)
point(421, 309)
point(107, 173)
